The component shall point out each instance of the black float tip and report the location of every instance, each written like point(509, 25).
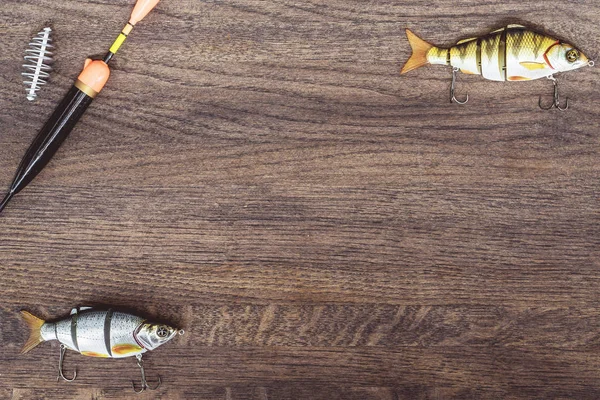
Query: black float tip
point(5, 201)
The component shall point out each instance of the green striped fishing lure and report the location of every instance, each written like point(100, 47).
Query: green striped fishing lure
point(513, 53)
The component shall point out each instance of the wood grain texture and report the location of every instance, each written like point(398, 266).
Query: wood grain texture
point(258, 173)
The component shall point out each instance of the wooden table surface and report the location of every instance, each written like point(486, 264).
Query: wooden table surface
point(258, 173)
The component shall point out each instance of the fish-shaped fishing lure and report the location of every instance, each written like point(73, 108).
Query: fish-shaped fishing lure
point(513, 53)
point(106, 334)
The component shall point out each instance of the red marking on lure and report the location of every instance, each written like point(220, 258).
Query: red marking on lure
point(547, 51)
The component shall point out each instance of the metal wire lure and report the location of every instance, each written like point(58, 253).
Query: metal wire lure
point(37, 67)
point(88, 85)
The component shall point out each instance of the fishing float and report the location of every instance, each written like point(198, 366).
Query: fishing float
point(89, 83)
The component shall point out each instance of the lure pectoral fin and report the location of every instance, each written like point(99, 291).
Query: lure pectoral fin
point(533, 65)
point(35, 331)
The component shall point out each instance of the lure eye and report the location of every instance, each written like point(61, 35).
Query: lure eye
point(162, 332)
point(572, 55)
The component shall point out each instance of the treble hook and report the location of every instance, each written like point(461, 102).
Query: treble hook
point(145, 385)
point(556, 102)
point(453, 98)
point(63, 350)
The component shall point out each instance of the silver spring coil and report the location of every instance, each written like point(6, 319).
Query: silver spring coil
point(38, 58)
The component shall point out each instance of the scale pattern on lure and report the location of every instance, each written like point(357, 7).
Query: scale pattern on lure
point(108, 334)
point(513, 53)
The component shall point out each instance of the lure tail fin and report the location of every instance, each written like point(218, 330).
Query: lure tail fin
point(35, 335)
point(419, 52)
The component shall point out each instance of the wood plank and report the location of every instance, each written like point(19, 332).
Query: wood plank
point(232, 242)
point(528, 372)
point(290, 325)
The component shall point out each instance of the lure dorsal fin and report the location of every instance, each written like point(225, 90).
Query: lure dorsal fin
point(419, 52)
point(35, 335)
point(495, 31)
point(466, 40)
point(78, 309)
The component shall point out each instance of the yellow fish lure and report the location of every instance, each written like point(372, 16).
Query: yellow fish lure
point(513, 53)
